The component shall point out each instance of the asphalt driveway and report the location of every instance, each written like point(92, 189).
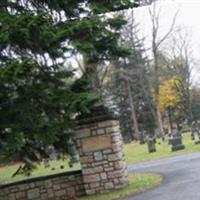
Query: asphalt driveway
point(181, 178)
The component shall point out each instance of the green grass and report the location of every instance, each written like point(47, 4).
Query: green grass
point(137, 183)
point(7, 171)
point(136, 153)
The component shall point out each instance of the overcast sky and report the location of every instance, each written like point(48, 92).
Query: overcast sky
point(188, 19)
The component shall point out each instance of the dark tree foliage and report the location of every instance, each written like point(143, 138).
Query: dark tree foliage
point(131, 88)
point(39, 95)
point(195, 101)
point(134, 70)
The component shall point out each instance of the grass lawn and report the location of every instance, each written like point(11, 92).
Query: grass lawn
point(7, 171)
point(134, 153)
point(137, 183)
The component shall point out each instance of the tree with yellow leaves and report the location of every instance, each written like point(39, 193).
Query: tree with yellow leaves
point(169, 97)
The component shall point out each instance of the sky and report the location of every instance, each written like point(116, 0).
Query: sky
point(188, 19)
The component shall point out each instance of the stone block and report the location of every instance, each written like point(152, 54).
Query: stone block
point(91, 178)
point(100, 131)
point(90, 191)
point(56, 187)
point(43, 190)
point(116, 181)
point(4, 197)
point(114, 134)
point(81, 133)
point(115, 156)
point(113, 129)
point(87, 186)
point(5, 191)
point(11, 197)
point(93, 125)
point(23, 187)
point(20, 195)
point(101, 189)
point(85, 165)
point(110, 164)
point(15, 189)
point(39, 183)
point(86, 159)
point(115, 174)
point(65, 184)
point(118, 144)
point(109, 185)
point(71, 192)
point(105, 156)
point(107, 151)
point(92, 170)
point(48, 183)
point(120, 165)
point(99, 163)
point(44, 196)
point(33, 194)
point(116, 139)
point(123, 180)
point(106, 166)
point(79, 180)
point(103, 176)
point(117, 148)
point(107, 169)
point(98, 156)
point(32, 185)
point(95, 185)
point(50, 193)
point(108, 123)
point(60, 193)
point(94, 132)
point(71, 178)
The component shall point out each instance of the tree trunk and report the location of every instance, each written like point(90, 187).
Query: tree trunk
point(170, 119)
point(190, 115)
point(133, 113)
point(159, 121)
point(156, 85)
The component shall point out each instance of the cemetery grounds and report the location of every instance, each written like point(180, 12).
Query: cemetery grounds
point(134, 152)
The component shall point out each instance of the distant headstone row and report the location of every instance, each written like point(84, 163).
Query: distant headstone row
point(174, 138)
point(195, 133)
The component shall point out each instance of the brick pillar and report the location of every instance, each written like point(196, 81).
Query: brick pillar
point(101, 152)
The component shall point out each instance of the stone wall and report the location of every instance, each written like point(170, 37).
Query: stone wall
point(54, 187)
point(101, 152)
point(102, 157)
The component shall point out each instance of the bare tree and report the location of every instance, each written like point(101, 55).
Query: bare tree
point(180, 53)
point(154, 12)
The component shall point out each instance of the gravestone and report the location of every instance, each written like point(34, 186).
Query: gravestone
point(195, 133)
point(151, 143)
point(176, 140)
point(169, 136)
point(100, 147)
point(142, 137)
point(196, 137)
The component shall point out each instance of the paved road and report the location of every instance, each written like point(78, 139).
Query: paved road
point(181, 178)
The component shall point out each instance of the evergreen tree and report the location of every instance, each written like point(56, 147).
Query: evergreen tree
point(130, 86)
point(39, 94)
point(195, 94)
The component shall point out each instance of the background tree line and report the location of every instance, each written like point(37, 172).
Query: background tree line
point(151, 94)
